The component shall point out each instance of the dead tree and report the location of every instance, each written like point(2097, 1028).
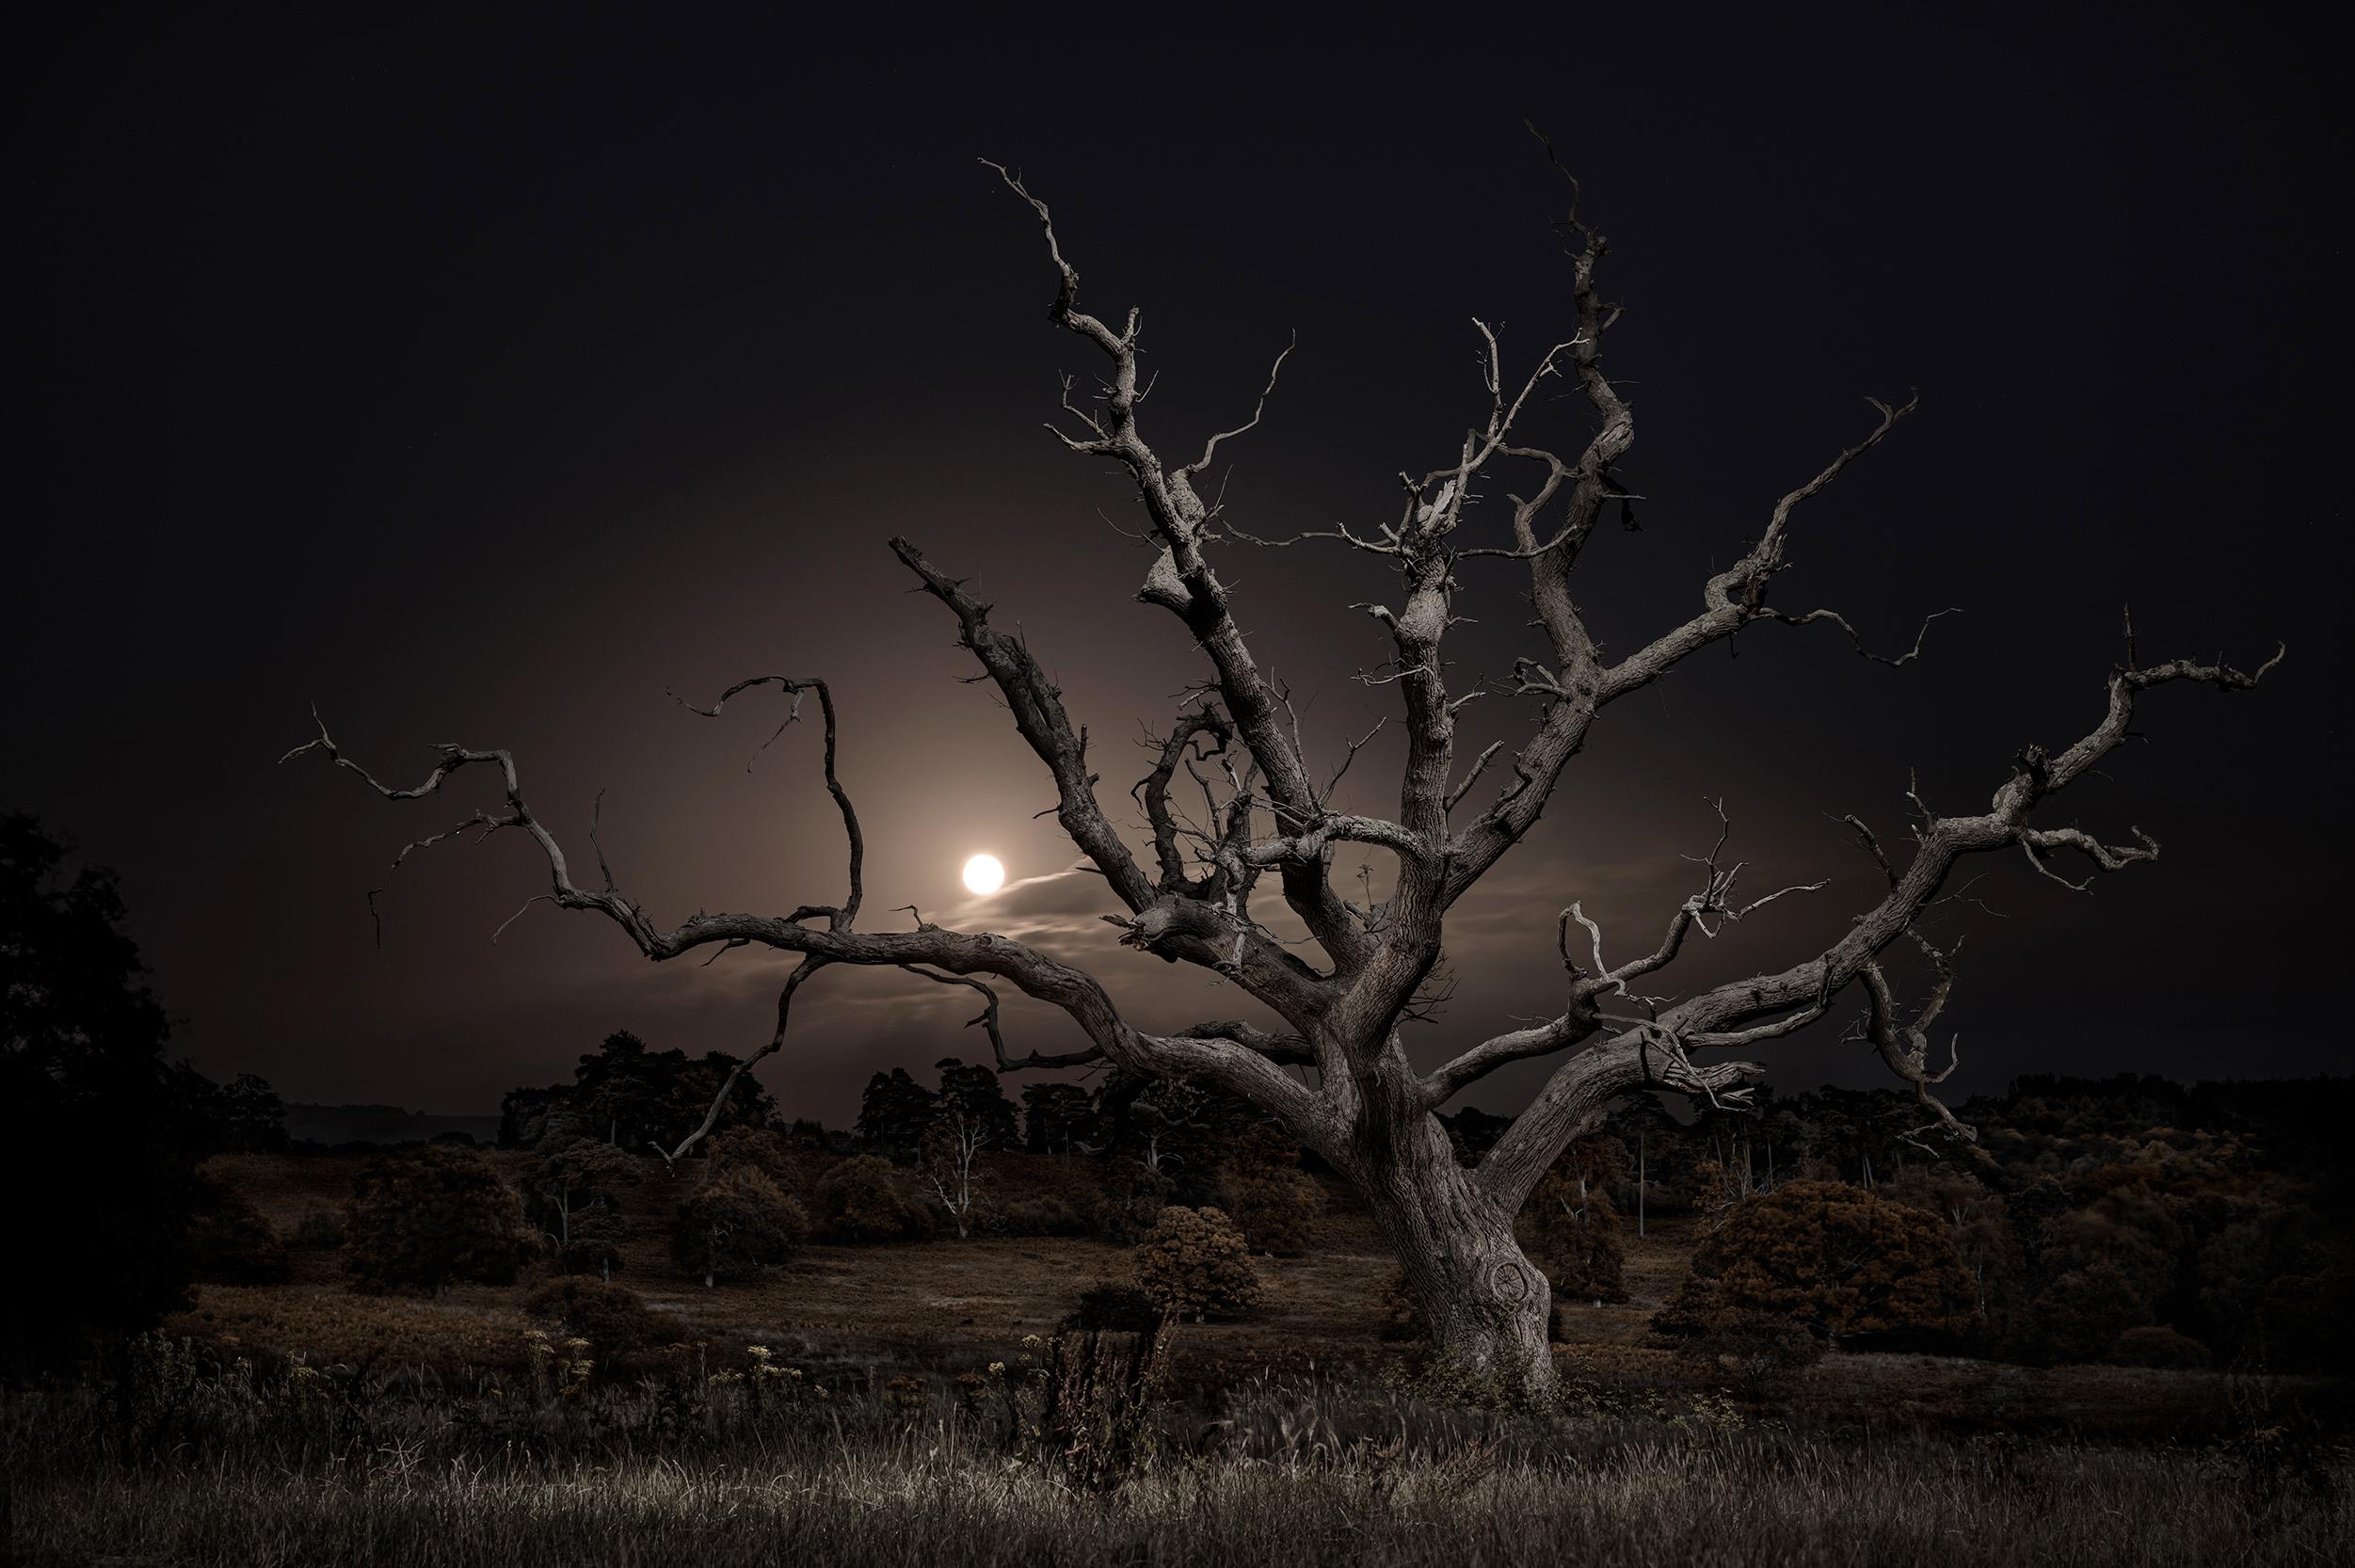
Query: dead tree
point(1188, 894)
point(952, 1148)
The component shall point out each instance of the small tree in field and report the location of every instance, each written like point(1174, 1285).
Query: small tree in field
point(431, 1217)
point(574, 1195)
point(1341, 970)
point(859, 1199)
point(736, 1225)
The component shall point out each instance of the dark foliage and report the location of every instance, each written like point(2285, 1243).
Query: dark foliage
point(432, 1216)
point(977, 1094)
point(1194, 1263)
point(860, 1199)
point(1057, 1118)
point(737, 1223)
point(232, 1243)
point(81, 1041)
point(1047, 1216)
point(1111, 1305)
point(1130, 1199)
point(1760, 1349)
point(895, 1113)
point(1274, 1205)
point(576, 1196)
point(1835, 1257)
point(629, 1094)
point(615, 1319)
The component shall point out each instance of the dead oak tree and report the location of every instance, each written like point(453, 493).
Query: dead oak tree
point(1188, 897)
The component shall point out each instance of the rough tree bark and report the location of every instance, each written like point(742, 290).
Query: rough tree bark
point(1188, 897)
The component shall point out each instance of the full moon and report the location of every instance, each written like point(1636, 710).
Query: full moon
point(982, 874)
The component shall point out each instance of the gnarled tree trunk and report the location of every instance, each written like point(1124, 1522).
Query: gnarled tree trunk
point(1487, 1307)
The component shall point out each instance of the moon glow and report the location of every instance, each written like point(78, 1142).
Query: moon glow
point(984, 874)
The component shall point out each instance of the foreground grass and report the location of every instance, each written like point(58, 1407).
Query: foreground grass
point(175, 1459)
point(1732, 1502)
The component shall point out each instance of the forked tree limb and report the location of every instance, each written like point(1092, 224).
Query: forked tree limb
point(1738, 1011)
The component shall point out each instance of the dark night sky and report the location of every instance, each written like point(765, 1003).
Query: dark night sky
point(481, 380)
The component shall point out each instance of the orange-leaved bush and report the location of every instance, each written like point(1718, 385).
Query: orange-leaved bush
point(1194, 1262)
point(1835, 1257)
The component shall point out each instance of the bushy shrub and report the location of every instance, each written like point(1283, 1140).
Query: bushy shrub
point(1760, 1349)
point(1038, 1217)
point(859, 1199)
point(1130, 1198)
point(1577, 1239)
point(321, 1230)
point(1109, 1305)
point(736, 1225)
point(762, 1149)
point(613, 1320)
point(431, 1217)
point(1835, 1257)
point(1194, 1262)
point(2155, 1345)
point(1274, 1206)
point(232, 1243)
point(2083, 1313)
point(574, 1197)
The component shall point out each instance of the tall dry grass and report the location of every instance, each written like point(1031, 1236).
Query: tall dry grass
point(178, 1462)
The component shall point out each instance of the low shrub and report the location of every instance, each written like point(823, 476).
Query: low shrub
point(1111, 1305)
point(1194, 1263)
point(1837, 1258)
point(2155, 1345)
point(1274, 1206)
point(1760, 1349)
point(1132, 1197)
point(321, 1230)
point(232, 1243)
point(1038, 1217)
point(736, 1225)
point(613, 1319)
point(860, 1200)
point(433, 1216)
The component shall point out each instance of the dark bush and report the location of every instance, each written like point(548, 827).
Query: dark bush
point(1760, 1349)
point(736, 1225)
point(2082, 1314)
point(433, 1216)
point(1121, 1308)
point(321, 1230)
point(860, 1200)
point(1835, 1257)
point(1577, 1239)
point(2155, 1345)
point(1132, 1197)
point(1274, 1206)
point(613, 1319)
point(1038, 1217)
point(232, 1243)
point(759, 1148)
